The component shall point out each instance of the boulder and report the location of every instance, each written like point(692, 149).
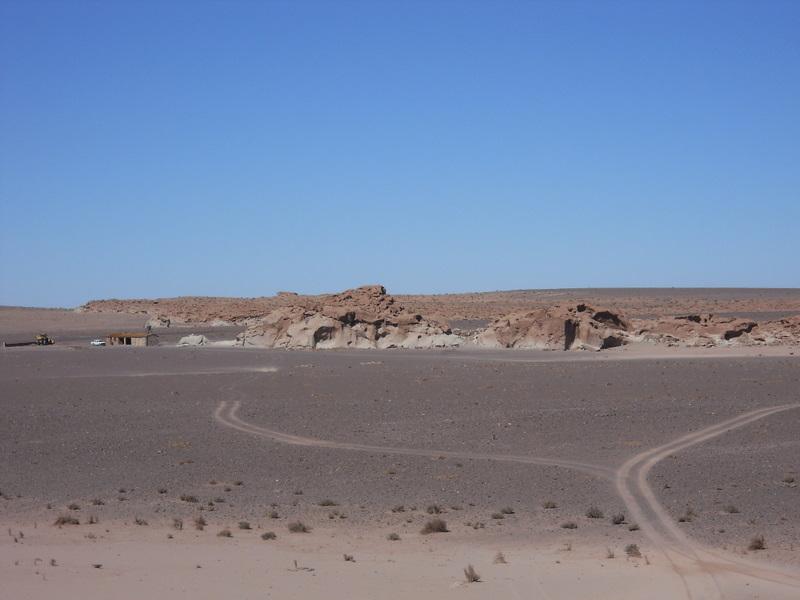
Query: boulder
point(193, 340)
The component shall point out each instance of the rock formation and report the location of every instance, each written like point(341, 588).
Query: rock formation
point(365, 317)
point(696, 330)
point(557, 328)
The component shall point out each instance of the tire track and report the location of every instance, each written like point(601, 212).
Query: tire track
point(701, 569)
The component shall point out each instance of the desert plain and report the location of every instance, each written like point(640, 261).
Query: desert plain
point(652, 468)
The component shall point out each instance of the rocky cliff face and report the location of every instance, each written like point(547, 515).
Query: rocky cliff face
point(365, 317)
point(579, 327)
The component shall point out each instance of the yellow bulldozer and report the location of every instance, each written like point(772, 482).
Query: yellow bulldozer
point(43, 339)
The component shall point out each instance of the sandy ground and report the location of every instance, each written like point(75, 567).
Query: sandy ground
point(341, 440)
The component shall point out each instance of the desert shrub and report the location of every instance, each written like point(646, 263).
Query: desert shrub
point(471, 575)
point(393, 537)
point(349, 558)
point(498, 515)
point(594, 513)
point(500, 559)
point(188, 498)
point(200, 523)
point(633, 527)
point(140, 521)
point(177, 524)
point(268, 535)
point(225, 533)
point(98, 502)
point(327, 502)
point(757, 543)
point(298, 527)
point(434, 526)
point(434, 509)
point(273, 514)
point(731, 509)
point(244, 525)
point(398, 508)
point(549, 504)
point(569, 525)
point(633, 551)
point(66, 520)
point(618, 519)
point(73, 506)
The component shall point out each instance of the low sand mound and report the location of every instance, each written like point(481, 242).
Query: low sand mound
point(579, 327)
point(365, 317)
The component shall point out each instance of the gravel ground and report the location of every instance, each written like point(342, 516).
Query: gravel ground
point(88, 423)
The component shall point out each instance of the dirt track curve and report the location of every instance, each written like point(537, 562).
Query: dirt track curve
point(702, 570)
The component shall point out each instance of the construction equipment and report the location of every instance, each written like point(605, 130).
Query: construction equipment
point(41, 339)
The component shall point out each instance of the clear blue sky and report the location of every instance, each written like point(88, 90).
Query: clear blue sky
point(240, 148)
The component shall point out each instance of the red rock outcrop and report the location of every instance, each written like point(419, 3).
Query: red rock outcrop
point(557, 328)
point(365, 317)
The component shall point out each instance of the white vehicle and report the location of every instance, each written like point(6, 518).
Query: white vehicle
point(97, 343)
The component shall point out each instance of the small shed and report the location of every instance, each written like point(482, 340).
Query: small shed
point(132, 338)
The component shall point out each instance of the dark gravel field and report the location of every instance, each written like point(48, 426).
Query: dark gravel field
point(85, 424)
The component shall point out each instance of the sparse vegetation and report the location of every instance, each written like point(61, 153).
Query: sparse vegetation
point(687, 516)
point(268, 535)
point(618, 519)
point(549, 504)
point(200, 523)
point(569, 525)
point(327, 502)
point(434, 526)
point(398, 508)
point(273, 514)
point(757, 543)
point(244, 525)
point(498, 515)
point(633, 527)
point(73, 506)
point(162, 490)
point(500, 559)
point(93, 520)
point(298, 527)
point(349, 558)
point(731, 509)
point(189, 498)
point(633, 551)
point(139, 521)
point(609, 553)
point(471, 575)
point(98, 502)
point(393, 537)
point(594, 513)
point(66, 520)
point(434, 509)
point(177, 524)
point(225, 533)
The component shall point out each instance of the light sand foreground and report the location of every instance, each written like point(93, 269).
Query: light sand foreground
point(140, 562)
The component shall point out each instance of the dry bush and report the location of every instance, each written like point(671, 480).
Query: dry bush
point(298, 527)
point(349, 558)
point(435, 526)
point(549, 504)
point(73, 506)
point(498, 516)
point(273, 514)
point(393, 537)
point(140, 521)
point(66, 520)
point(471, 575)
point(244, 525)
point(188, 498)
point(398, 508)
point(618, 519)
point(500, 559)
point(327, 502)
point(594, 513)
point(177, 524)
point(268, 535)
point(93, 520)
point(569, 525)
point(731, 509)
point(98, 502)
point(200, 523)
point(633, 527)
point(225, 533)
point(633, 551)
point(434, 509)
point(609, 553)
point(757, 543)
